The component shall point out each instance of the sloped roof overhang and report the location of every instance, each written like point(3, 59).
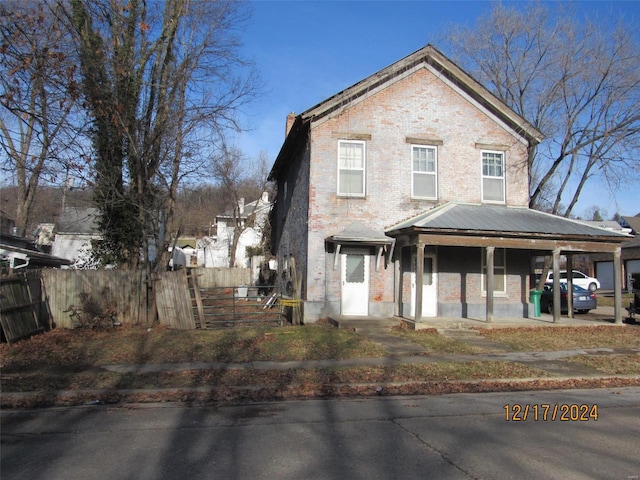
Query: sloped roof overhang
point(465, 225)
point(31, 257)
point(359, 235)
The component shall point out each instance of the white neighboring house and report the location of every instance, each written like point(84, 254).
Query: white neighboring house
point(185, 253)
point(75, 228)
point(216, 250)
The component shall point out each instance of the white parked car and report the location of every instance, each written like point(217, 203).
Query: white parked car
point(579, 278)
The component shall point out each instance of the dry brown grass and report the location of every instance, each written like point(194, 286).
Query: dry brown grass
point(549, 339)
point(611, 364)
point(77, 360)
point(41, 380)
point(86, 347)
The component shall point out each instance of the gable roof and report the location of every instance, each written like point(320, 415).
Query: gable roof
point(633, 223)
point(187, 242)
point(427, 55)
point(494, 220)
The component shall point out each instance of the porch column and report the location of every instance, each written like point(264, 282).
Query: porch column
point(556, 286)
point(397, 277)
point(570, 286)
point(617, 285)
point(490, 282)
point(419, 275)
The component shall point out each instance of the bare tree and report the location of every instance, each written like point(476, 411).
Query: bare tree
point(576, 83)
point(595, 213)
point(38, 98)
point(240, 180)
point(163, 82)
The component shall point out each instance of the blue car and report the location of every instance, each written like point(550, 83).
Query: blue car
point(583, 299)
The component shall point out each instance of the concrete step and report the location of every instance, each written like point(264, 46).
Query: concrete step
point(361, 323)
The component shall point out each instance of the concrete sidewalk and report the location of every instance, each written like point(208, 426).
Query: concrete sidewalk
point(557, 372)
point(557, 369)
point(554, 363)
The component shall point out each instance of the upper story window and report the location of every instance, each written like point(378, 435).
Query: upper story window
point(493, 178)
point(351, 168)
point(424, 181)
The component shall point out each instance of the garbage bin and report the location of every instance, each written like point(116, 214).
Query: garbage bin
point(534, 297)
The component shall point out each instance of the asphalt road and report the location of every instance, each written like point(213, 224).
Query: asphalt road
point(460, 436)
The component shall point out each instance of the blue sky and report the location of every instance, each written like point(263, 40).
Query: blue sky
point(306, 51)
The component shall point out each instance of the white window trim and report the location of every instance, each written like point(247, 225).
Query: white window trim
point(364, 170)
point(435, 173)
point(483, 271)
point(504, 177)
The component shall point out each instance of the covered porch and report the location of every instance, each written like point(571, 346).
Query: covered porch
point(601, 316)
point(450, 233)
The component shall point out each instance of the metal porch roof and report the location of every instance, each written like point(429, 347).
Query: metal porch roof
point(496, 219)
point(359, 233)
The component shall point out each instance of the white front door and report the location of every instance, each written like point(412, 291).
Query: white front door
point(355, 284)
point(429, 287)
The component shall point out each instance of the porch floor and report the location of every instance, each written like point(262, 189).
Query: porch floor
point(600, 316)
point(377, 329)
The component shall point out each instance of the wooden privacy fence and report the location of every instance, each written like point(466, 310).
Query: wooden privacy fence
point(220, 277)
point(125, 292)
point(49, 298)
point(21, 313)
point(173, 300)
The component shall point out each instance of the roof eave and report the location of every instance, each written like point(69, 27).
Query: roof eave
point(492, 233)
point(360, 240)
point(429, 55)
point(296, 134)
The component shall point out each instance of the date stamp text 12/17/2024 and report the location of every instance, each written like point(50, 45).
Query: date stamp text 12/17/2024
point(564, 412)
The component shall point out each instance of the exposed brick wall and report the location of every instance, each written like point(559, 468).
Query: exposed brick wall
point(417, 106)
point(290, 218)
point(421, 105)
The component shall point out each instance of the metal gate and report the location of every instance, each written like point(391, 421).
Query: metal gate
point(222, 307)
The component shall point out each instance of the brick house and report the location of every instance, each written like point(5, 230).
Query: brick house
point(407, 194)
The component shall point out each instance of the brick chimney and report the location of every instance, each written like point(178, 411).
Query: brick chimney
point(290, 119)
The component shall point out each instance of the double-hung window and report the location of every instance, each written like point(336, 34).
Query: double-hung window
point(499, 271)
point(493, 181)
point(351, 168)
point(424, 182)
